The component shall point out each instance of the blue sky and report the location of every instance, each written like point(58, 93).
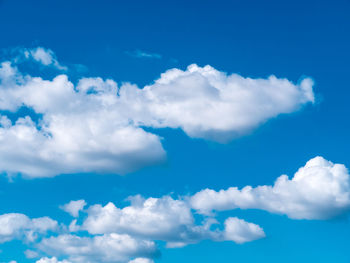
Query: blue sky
point(180, 151)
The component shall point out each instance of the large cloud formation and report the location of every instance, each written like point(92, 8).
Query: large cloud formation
point(210, 104)
point(319, 190)
point(97, 126)
point(130, 233)
point(78, 132)
point(111, 234)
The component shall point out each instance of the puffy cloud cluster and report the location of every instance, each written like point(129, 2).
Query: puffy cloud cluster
point(121, 234)
point(210, 104)
point(51, 260)
point(111, 247)
point(164, 219)
point(55, 260)
point(104, 248)
point(319, 190)
point(107, 233)
point(78, 132)
point(157, 217)
point(96, 126)
point(128, 234)
point(20, 226)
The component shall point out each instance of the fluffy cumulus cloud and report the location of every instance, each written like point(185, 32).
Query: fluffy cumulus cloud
point(319, 190)
point(103, 248)
point(78, 132)
point(98, 126)
point(163, 219)
point(140, 217)
point(210, 104)
point(20, 226)
point(129, 234)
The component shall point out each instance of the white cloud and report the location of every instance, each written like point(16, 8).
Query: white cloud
point(74, 207)
point(129, 234)
point(19, 226)
point(141, 260)
point(44, 56)
point(51, 260)
point(121, 235)
point(97, 126)
point(163, 219)
point(154, 218)
point(70, 144)
point(106, 248)
point(319, 190)
point(79, 132)
point(210, 104)
point(139, 218)
point(241, 231)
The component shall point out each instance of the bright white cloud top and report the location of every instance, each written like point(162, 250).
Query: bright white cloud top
point(97, 126)
point(319, 190)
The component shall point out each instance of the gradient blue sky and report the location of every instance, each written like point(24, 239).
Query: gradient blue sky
point(289, 39)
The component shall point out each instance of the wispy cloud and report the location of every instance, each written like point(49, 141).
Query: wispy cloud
point(44, 56)
point(143, 54)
